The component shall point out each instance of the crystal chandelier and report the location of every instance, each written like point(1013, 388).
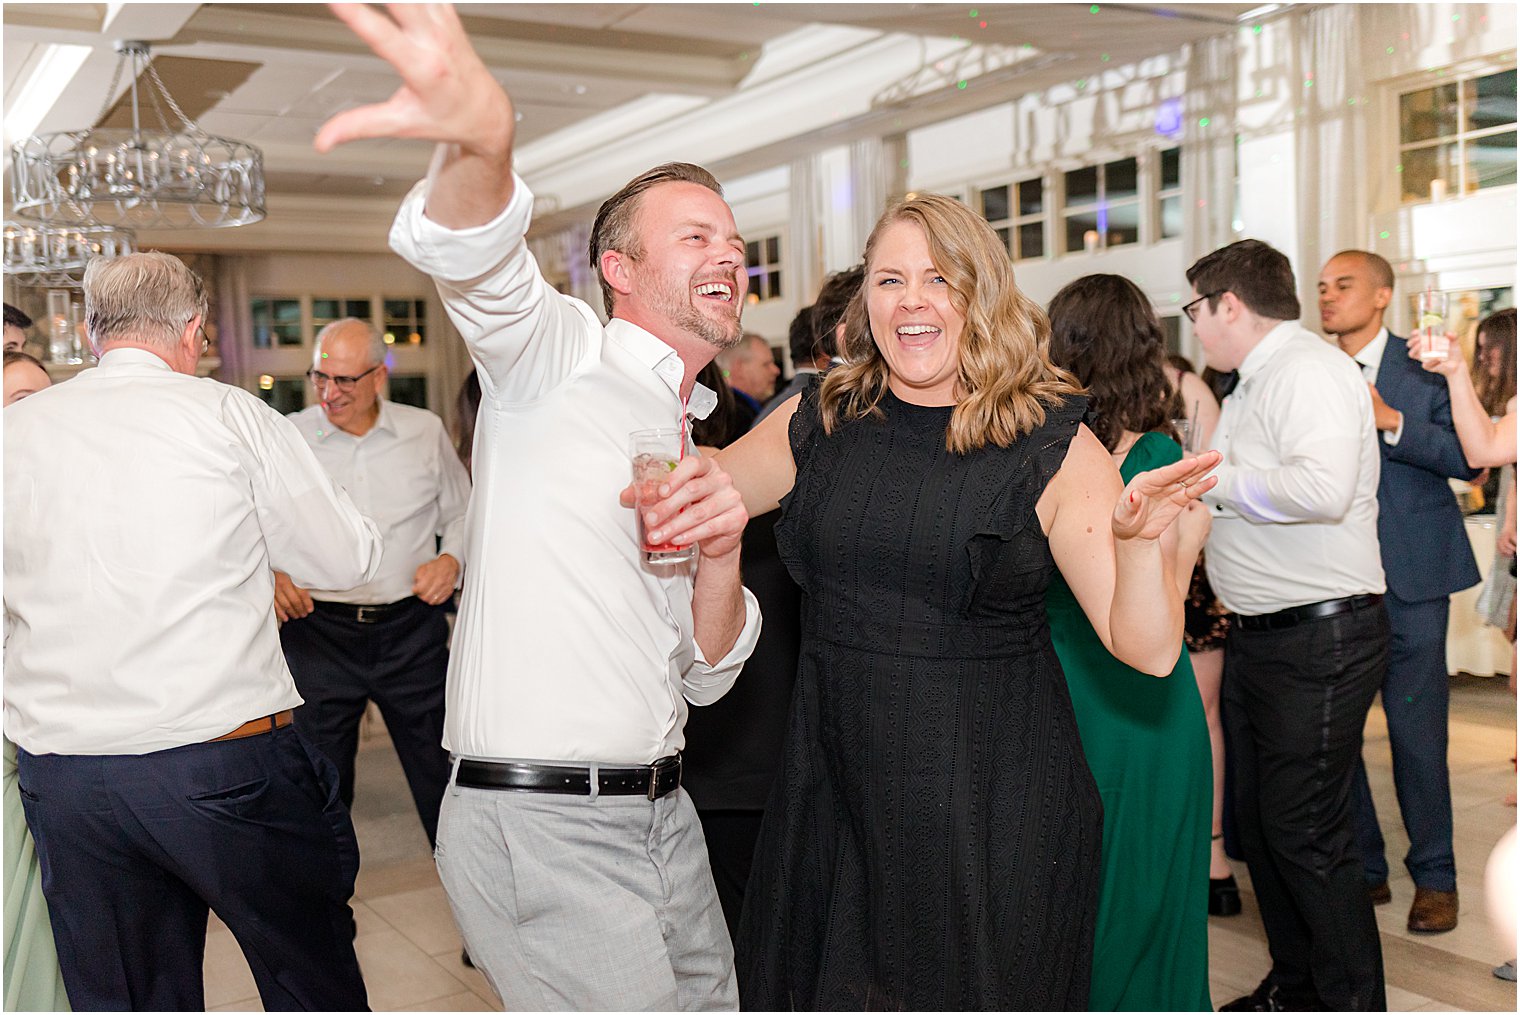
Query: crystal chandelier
point(56, 256)
point(139, 177)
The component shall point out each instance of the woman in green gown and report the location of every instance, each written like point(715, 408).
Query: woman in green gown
point(32, 980)
point(1146, 739)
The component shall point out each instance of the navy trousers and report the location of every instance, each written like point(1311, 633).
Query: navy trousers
point(1297, 700)
point(135, 849)
point(1416, 695)
point(400, 663)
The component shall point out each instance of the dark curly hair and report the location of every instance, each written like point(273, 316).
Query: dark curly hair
point(1103, 330)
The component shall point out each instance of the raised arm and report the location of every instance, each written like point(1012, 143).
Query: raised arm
point(1106, 539)
point(448, 96)
point(1484, 442)
point(761, 461)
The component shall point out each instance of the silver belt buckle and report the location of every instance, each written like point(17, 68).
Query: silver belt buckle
point(368, 614)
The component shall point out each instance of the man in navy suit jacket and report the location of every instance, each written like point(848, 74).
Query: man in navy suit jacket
point(1426, 557)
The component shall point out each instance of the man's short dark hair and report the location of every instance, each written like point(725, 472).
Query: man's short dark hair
point(1258, 274)
point(799, 337)
point(14, 316)
point(833, 299)
point(613, 228)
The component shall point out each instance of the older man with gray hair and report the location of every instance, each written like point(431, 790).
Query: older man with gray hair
point(145, 512)
point(386, 640)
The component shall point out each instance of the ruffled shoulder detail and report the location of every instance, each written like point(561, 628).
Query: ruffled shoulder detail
point(806, 427)
point(1033, 462)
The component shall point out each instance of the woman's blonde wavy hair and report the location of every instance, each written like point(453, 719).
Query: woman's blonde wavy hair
point(1006, 378)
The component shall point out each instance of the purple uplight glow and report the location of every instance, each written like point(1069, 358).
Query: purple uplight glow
point(1169, 117)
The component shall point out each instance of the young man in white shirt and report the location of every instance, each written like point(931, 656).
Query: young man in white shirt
point(386, 640)
point(1294, 555)
point(574, 863)
point(145, 509)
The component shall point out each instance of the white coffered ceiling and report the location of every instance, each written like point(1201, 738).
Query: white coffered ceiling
point(602, 90)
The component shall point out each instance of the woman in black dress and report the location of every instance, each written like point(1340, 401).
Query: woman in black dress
point(932, 839)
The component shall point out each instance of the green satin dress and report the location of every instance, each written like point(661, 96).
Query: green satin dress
point(1148, 747)
point(32, 981)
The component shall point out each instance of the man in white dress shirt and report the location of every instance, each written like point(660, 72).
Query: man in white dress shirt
point(1294, 555)
point(574, 863)
point(145, 509)
point(386, 640)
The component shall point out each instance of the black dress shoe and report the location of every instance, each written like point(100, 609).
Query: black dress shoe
point(1267, 997)
point(1380, 894)
point(464, 956)
point(1224, 896)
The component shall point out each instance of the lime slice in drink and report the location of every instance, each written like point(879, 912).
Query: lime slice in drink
point(1430, 320)
point(672, 466)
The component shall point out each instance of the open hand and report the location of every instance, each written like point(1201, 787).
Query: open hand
point(698, 504)
point(446, 95)
point(1154, 499)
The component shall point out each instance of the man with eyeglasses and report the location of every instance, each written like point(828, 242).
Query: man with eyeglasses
point(1294, 555)
point(160, 772)
point(386, 640)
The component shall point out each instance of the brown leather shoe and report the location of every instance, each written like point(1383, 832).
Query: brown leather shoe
point(1379, 893)
point(1433, 912)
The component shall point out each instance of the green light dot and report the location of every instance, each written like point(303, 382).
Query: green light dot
point(1383, 235)
point(1105, 58)
point(1203, 121)
point(973, 12)
point(1082, 83)
point(1456, 17)
point(1398, 169)
point(1350, 102)
point(1388, 50)
point(960, 84)
point(1093, 9)
point(1255, 29)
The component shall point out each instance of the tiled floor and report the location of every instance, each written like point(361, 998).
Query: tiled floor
point(409, 949)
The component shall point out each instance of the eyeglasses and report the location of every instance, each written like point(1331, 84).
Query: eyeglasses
point(205, 339)
point(344, 384)
point(1191, 309)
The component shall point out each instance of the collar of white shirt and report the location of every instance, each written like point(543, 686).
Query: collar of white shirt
point(1265, 349)
point(1371, 354)
point(664, 362)
point(115, 359)
point(385, 422)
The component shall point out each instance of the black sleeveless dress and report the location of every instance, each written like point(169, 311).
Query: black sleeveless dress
point(932, 841)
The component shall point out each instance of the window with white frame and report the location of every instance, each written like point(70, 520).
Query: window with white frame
point(1169, 194)
point(1102, 206)
point(763, 260)
point(1016, 211)
point(1457, 137)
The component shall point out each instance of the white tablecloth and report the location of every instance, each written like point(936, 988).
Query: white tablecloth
point(1472, 646)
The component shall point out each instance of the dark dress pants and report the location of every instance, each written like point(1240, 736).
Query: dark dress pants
point(134, 849)
point(1416, 695)
point(1297, 699)
point(399, 662)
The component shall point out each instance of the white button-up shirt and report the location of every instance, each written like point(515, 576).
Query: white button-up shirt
point(144, 513)
point(404, 475)
point(1295, 511)
point(567, 647)
point(1370, 359)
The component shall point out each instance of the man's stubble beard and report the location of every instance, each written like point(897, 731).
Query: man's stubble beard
point(684, 314)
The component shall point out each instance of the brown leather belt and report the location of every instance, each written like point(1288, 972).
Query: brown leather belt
point(263, 724)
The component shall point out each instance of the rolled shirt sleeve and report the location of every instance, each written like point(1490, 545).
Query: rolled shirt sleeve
point(705, 682)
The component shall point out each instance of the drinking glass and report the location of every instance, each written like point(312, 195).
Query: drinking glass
point(655, 455)
point(1186, 435)
point(1430, 310)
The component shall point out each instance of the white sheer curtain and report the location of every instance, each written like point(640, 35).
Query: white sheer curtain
point(1208, 152)
point(1331, 140)
point(877, 178)
point(805, 263)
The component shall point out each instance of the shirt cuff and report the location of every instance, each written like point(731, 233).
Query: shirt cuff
point(707, 682)
point(455, 255)
point(1391, 437)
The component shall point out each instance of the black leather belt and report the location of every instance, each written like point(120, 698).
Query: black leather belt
point(364, 614)
point(1298, 614)
point(652, 781)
